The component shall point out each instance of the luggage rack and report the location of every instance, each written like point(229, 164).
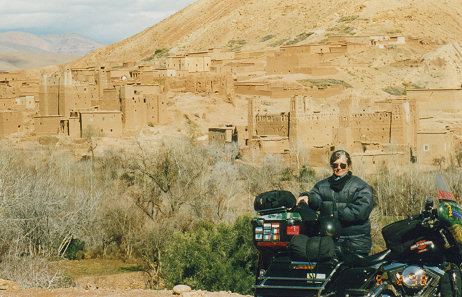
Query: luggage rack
point(273, 210)
point(297, 283)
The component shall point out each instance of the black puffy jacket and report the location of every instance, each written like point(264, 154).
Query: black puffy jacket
point(353, 203)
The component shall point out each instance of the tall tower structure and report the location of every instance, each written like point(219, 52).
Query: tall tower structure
point(65, 96)
point(254, 109)
point(297, 120)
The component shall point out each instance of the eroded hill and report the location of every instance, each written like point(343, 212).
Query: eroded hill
point(255, 25)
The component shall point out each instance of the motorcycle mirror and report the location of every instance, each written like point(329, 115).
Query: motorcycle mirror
point(428, 204)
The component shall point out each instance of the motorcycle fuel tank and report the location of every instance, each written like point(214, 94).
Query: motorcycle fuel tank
point(451, 213)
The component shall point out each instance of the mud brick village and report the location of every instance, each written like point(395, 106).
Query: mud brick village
point(296, 103)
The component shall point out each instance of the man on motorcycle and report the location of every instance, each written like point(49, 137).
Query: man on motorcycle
point(345, 198)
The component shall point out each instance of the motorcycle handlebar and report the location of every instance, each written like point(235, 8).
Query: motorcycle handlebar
point(424, 215)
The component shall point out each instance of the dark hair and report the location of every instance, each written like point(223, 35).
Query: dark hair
point(337, 154)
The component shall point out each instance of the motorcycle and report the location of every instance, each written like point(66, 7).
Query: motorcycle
point(426, 251)
point(285, 270)
point(423, 255)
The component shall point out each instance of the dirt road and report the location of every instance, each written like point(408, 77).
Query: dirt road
point(120, 285)
point(79, 292)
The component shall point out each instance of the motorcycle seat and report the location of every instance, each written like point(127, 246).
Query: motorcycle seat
point(360, 260)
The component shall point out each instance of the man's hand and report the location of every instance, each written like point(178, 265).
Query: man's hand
point(302, 198)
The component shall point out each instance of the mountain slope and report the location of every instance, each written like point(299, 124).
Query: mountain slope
point(270, 23)
point(71, 44)
point(441, 68)
point(66, 44)
point(10, 61)
point(15, 47)
point(25, 41)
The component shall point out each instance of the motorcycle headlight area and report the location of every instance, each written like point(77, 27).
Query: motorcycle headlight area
point(413, 277)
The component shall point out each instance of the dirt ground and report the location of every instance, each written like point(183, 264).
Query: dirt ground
point(80, 292)
point(119, 285)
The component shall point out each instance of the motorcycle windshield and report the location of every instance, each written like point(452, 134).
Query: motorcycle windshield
point(443, 190)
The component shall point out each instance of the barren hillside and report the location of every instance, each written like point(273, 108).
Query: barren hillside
point(10, 61)
point(270, 23)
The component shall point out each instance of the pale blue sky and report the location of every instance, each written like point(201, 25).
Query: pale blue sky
point(105, 21)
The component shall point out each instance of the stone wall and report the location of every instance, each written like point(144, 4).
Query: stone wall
point(141, 105)
point(436, 101)
point(371, 127)
point(209, 83)
point(272, 124)
point(308, 59)
point(10, 122)
point(101, 123)
point(277, 90)
point(433, 147)
point(222, 135)
point(47, 124)
point(109, 100)
point(312, 135)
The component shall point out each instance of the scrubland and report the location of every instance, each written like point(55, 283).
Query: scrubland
point(181, 211)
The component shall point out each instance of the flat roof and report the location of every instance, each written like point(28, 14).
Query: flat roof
point(221, 128)
point(250, 83)
point(313, 44)
point(432, 132)
point(49, 116)
point(433, 90)
point(367, 35)
point(100, 111)
point(375, 153)
point(270, 138)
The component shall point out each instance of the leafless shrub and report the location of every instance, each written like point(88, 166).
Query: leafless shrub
point(264, 177)
point(400, 194)
point(122, 225)
point(41, 208)
point(34, 272)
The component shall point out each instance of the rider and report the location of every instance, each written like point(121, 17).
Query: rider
point(347, 198)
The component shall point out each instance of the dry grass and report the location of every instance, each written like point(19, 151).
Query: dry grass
point(34, 272)
point(95, 267)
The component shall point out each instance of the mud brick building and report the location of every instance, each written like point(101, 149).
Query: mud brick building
point(108, 101)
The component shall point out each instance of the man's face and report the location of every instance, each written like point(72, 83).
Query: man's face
point(338, 164)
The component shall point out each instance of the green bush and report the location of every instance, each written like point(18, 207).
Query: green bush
point(306, 174)
point(267, 37)
point(348, 19)
point(75, 249)
point(323, 83)
point(279, 42)
point(236, 45)
point(299, 38)
point(213, 257)
point(158, 54)
point(394, 91)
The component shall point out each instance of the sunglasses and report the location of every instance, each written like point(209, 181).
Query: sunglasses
point(342, 165)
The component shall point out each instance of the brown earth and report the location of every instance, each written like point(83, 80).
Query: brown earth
point(123, 285)
point(208, 23)
point(77, 292)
